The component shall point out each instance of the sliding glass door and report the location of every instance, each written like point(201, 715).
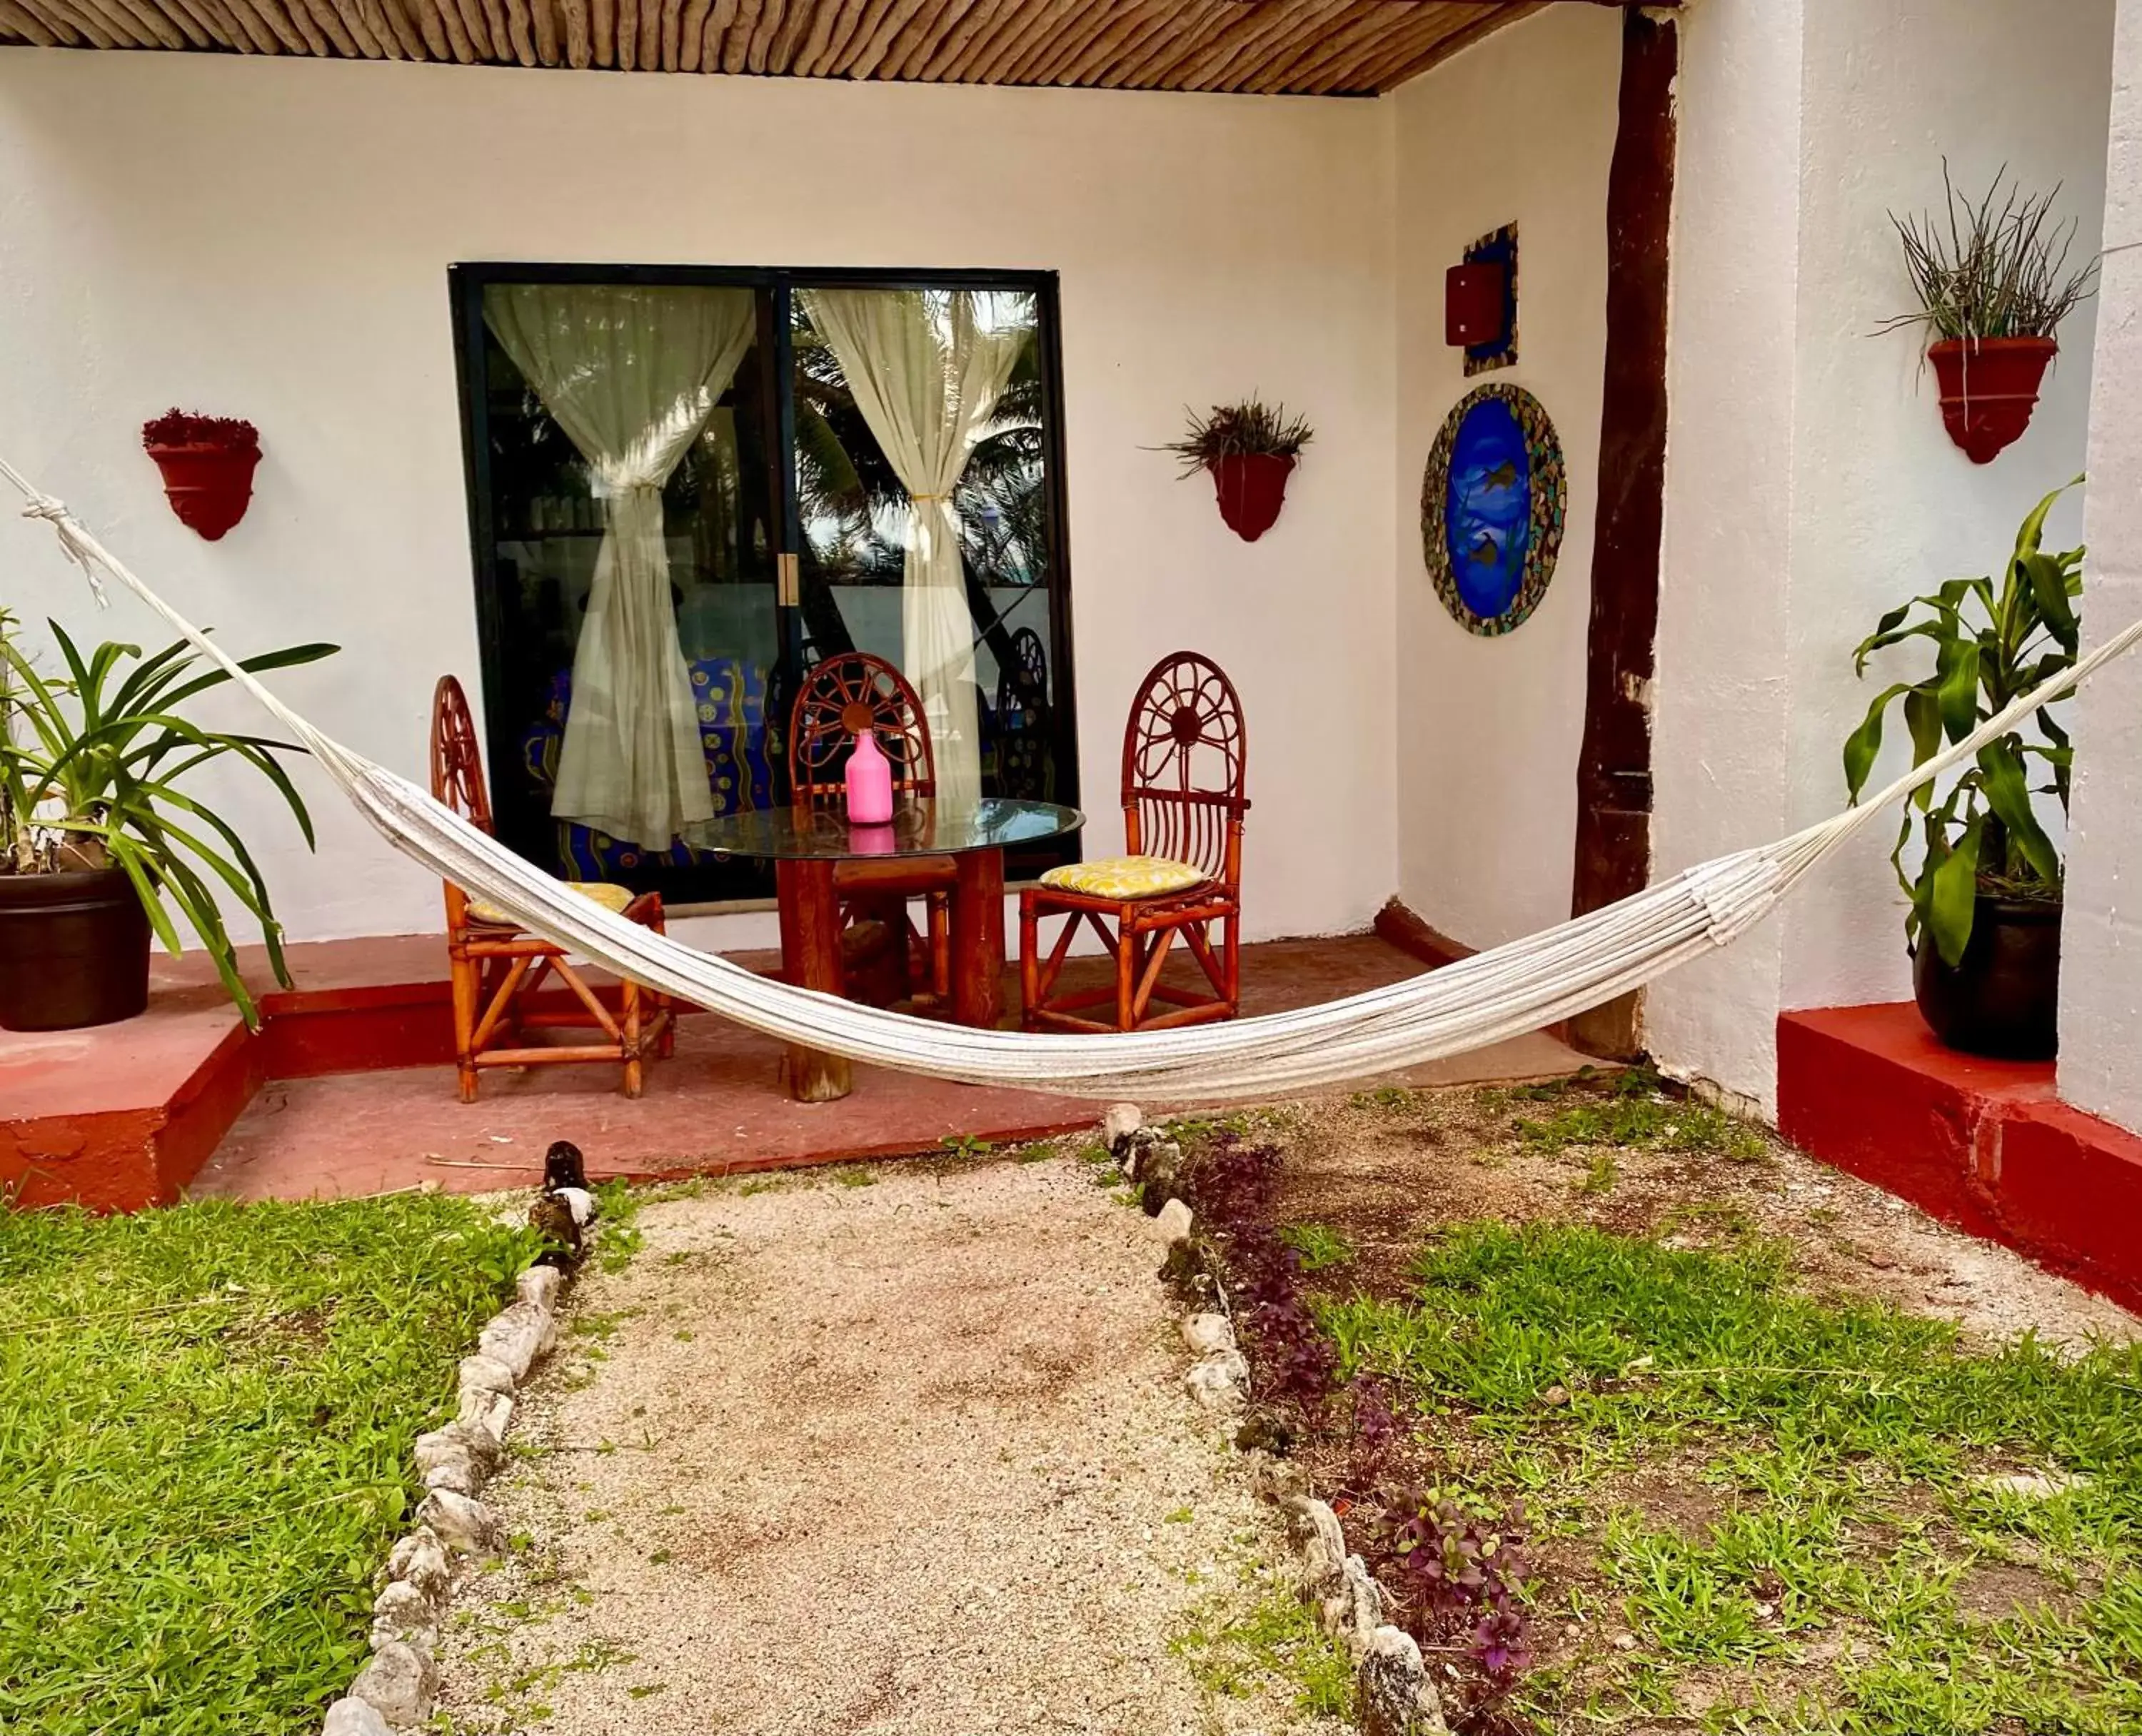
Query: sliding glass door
point(687, 486)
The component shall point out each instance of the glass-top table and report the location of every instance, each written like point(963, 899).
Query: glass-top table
point(918, 828)
point(820, 861)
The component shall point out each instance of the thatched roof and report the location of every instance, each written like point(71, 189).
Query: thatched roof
point(1314, 47)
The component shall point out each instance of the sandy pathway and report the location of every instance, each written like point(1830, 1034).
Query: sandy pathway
point(909, 1456)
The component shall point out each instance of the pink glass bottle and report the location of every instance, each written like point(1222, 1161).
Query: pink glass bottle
point(869, 782)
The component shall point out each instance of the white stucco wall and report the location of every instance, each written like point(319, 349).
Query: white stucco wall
point(1719, 729)
point(1489, 729)
point(1811, 485)
point(2101, 929)
point(270, 240)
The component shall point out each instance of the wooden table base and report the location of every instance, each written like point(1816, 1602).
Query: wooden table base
point(811, 958)
point(811, 955)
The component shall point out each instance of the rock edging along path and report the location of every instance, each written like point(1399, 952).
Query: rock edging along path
point(1394, 1695)
point(908, 1450)
point(397, 1688)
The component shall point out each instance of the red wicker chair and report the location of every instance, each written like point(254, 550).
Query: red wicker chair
point(496, 966)
point(1185, 764)
point(839, 698)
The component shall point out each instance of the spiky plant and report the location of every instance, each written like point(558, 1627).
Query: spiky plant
point(1993, 267)
point(1230, 431)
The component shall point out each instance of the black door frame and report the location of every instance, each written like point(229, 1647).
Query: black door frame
point(465, 283)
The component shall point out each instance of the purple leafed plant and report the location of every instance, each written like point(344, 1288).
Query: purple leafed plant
point(1456, 1572)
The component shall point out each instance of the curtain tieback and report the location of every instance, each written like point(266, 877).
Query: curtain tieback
point(918, 498)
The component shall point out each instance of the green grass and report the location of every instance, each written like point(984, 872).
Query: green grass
point(205, 1422)
point(1839, 1451)
point(1320, 1245)
point(1235, 1647)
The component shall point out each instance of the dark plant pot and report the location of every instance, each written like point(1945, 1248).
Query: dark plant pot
point(1989, 387)
point(2003, 998)
point(1252, 488)
point(209, 486)
point(74, 950)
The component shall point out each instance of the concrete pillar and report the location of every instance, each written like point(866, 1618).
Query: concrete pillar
point(2100, 1068)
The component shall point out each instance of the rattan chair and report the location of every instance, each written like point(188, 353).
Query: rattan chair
point(497, 967)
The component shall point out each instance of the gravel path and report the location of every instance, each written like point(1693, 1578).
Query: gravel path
point(909, 1456)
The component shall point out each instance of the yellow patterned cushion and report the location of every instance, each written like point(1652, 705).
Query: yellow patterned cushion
point(609, 897)
point(1139, 876)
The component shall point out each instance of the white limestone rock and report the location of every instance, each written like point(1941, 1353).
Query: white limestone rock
point(1393, 1696)
point(1317, 1535)
point(1207, 1334)
point(485, 1374)
point(403, 1612)
point(462, 1523)
point(1217, 1379)
point(579, 1201)
point(400, 1683)
point(455, 1442)
point(1355, 1610)
point(355, 1717)
point(1119, 1124)
point(516, 1336)
point(419, 1561)
point(1171, 1224)
point(488, 1414)
point(539, 1287)
point(458, 1474)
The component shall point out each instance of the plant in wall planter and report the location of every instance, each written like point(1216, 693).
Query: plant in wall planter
point(208, 463)
point(1984, 927)
point(1994, 284)
point(99, 844)
point(1250, 449)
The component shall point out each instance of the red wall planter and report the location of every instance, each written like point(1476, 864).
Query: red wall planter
point(1989, 387)
point(208, 487)
point(1252, 487)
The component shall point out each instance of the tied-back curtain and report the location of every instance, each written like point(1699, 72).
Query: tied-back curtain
point(632, 374)
point(927, 368)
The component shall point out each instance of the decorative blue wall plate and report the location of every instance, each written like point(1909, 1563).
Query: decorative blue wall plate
point(1491, 508)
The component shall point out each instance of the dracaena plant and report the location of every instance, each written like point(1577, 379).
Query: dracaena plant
point(1992, 641)
point(92, 762)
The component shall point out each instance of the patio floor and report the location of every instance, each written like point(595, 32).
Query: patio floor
point(719, 1106)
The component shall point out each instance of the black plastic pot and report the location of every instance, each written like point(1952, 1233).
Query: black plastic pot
point(2002, 999)
point(74, 950)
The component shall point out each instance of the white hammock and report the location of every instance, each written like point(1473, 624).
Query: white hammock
point(1485, 999)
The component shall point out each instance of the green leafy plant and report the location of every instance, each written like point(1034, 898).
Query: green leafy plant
point(91, 765)
point(1991, 645)
point(1238, 431)
point(1992, 269)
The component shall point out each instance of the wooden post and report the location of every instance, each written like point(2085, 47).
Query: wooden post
point(978, 938)
point(811, 958)
point(1614, 768)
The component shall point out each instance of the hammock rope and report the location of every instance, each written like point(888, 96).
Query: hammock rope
point(1504, 992)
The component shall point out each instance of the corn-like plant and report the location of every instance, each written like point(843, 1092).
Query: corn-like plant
point(1991, 645)
point(91, 762)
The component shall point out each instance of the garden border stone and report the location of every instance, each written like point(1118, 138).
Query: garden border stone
point(398, 1687)
point(1394, 1695)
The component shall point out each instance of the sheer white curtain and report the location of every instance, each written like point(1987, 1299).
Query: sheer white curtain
point(927, 367)
point(631, 373)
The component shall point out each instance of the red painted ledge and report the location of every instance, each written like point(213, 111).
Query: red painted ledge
point(1985, 1144)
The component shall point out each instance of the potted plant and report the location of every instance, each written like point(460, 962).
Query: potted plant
point(99, 845)
point(1993, 286)
point(208, 463)
point(1984, 927)
point(1250, 449)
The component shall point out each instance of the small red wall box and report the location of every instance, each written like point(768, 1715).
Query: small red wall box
point(1476, 298)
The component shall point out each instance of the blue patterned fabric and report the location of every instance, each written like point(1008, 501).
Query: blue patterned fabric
point(731, 699)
